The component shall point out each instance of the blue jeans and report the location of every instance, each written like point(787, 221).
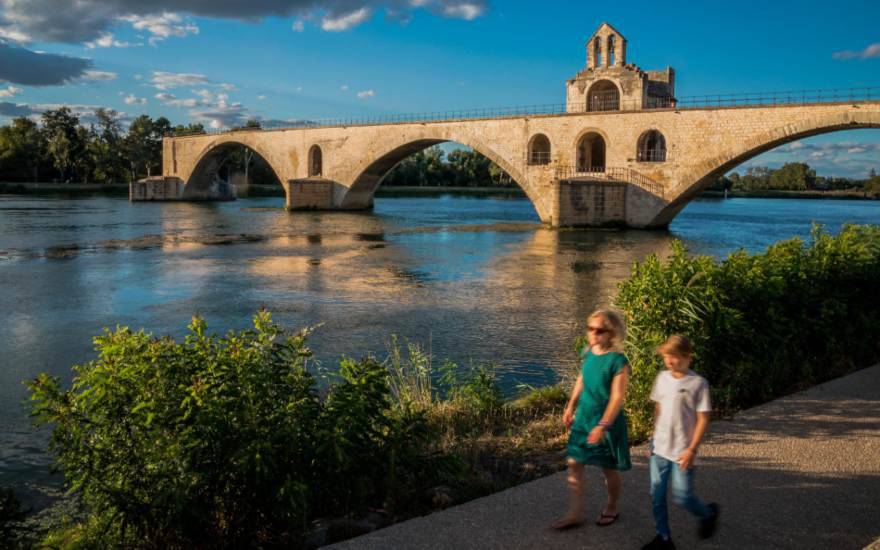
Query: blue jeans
point(682, 492)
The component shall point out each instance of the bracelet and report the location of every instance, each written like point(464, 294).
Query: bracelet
point(604, 424)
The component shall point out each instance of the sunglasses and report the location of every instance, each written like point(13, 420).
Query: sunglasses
point(598, 330)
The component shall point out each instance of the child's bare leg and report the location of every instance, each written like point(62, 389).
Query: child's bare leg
point(612, 483)
point(576, 489)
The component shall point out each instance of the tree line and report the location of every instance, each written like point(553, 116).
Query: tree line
point(794, 176)
point(432, 167)
point(62, 149)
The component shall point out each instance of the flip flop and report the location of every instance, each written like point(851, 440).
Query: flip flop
point(613, 518)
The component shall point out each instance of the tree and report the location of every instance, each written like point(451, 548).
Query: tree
point(143, 144)
point(106, 147)
point(63, 142)
point(793, 176)
point(188, 130)
point(22, 150)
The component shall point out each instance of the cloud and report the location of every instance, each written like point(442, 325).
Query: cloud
point(165, 81)
point(88, 21)
point(161, 26)
point(10, 91)
point(344, 87)
point(345, 21)
point(15, 110)
point(98, 75)
point(106, 40)
point(871, 51)
point(130, 99)
point(22, 66)
point(366, 94)
point(228, 87)
point(261, 97)
point(173, 101)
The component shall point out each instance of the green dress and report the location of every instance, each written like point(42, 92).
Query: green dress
point(613, 452)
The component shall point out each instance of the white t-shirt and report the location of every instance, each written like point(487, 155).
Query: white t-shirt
point(680, 400)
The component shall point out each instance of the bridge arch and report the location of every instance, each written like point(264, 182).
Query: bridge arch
point(202, 177)
point(371, 171)
point(701, 176)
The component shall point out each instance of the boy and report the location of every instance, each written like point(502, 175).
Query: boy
point(681, 416)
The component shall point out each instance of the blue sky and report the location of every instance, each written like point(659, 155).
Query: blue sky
point(224, 61)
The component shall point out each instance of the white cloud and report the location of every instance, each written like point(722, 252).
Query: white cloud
point(106, 40)
point(344, 87)
point(165, 81)
point(161, 26)
point(345, 21)
point(261, 97)
point(228, 87)
point(98, 75)
point(366, 93)
point(10, 91)
point(871, 51)
point(299, 88)
point(299, 25)
point(130, 99)
point(138, 76)
point(172, 101)
point(465, 10)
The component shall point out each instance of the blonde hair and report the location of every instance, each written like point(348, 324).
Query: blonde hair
point(614, 322)
point(677, 344)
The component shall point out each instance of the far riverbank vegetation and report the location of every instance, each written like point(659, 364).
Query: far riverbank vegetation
point(240, 440)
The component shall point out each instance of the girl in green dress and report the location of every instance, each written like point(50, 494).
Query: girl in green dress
point(594, 415)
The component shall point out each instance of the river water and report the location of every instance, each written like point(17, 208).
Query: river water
point(471, 279)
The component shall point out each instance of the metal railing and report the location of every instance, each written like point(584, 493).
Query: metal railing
point(651, 155)
point(538, 157)
point(610, 173)
point(842, 95)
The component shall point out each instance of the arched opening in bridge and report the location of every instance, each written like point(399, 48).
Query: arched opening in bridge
point(603, 96)
point(232, 169)
point(591, 153)
point(316, 161)
point(539, 150)
point(651, 147)
point(436, 164)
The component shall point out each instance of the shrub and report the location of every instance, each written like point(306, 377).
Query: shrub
point(223, 441)
point(763, 325)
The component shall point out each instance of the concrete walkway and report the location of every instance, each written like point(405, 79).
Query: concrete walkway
point(801, 472)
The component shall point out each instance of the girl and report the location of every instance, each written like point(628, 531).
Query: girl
point(594, 414)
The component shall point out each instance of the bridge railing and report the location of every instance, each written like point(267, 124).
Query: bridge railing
point(611, 173)
point(836, 95)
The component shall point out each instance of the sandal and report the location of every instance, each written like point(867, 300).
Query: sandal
point(612, 517)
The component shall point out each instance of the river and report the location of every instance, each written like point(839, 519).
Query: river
point(471, 279)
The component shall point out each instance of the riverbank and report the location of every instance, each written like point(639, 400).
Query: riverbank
point(777, 194)
point(52, 188)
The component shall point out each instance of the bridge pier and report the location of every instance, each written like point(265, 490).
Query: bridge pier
point(605, 203)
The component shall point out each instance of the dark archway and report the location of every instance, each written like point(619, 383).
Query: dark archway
point(651, 147)
point(225, 164)
point(591, 153)
point(603, 96)
point(316, 161)
point(539, 150)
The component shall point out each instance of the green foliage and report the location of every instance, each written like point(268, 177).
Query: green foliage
point(11, 514)
point(763, 325)
point(225, 442)
point(461, 168)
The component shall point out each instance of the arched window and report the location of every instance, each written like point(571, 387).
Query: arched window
point(591, 153)
point(651, 147)
point(316, 161)
point(597, 52)
point(603, 96)
point(611, 55)
point(539, 149)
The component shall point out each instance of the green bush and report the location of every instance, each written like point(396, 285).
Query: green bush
point(763, 325)
point(223, 442)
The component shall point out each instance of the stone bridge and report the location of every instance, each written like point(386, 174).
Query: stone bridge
point(624, 151)
point(701, 145)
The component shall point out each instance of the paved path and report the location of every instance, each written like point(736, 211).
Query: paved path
point(801, 472)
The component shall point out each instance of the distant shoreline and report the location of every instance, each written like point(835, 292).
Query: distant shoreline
point(778, 194)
